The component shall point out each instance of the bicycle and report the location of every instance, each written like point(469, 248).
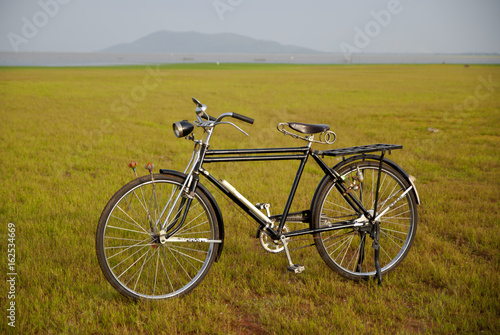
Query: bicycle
point(159, 235)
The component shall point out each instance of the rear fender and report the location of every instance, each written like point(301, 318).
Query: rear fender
point(388, 162)
point(361, 158)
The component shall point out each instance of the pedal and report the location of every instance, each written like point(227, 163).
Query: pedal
point(264, 206)
point(296, 268)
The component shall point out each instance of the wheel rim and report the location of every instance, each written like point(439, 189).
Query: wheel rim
point(347, 248)
point(136, 259)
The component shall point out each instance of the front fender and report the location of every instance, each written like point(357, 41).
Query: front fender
point(214, 204)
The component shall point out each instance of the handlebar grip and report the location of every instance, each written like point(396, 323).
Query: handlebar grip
point(243, 118)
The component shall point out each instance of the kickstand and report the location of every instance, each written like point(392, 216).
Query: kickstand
point(376, 247)
point(295, 268)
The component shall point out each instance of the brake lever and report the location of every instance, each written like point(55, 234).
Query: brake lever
point(232, 124)
point(203, 124)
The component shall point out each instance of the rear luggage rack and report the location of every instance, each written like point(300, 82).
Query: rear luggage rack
point(363, 149)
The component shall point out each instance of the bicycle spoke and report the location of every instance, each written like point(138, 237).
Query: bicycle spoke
point(394, 231)
point(397, 216)
point(131, 207)
point(179, 263)
point(139, 271)
point(341, 243)
point(387, 222)
point(135, 231)
point(173, 270)
point(347, 245)
point(340, 240)
point(122, 239)
point(184, 231)
point(128, 246)
point(189, 223)
point(393, 238)
point(131, 264)
point(185, 255)
point(166, 272)
point(156, 273)
point(354, 257)
point(373, 189)
point(136, 224)
point(342, 207)
point(346, 251)
point(192, 249)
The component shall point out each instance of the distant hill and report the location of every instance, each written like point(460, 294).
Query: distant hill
point(193, 42)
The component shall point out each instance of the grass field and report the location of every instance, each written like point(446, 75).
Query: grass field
point(67, 135)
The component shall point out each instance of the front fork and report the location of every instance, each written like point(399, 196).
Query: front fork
point(186, 195)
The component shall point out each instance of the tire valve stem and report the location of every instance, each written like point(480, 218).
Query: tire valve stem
point(133, 166)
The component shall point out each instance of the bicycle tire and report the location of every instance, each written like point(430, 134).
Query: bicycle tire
point(347, 251)
point(129, 251)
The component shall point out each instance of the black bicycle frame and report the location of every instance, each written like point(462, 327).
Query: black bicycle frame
point(280, 154)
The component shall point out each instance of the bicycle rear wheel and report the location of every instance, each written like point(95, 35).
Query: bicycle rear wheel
point(348, 251)
point(137, 258)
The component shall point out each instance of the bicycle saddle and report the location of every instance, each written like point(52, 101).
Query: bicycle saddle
point(306, 128)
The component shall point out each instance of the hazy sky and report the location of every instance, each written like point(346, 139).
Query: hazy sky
point(444, 26)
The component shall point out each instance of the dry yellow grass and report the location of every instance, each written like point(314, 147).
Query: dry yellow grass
point(67, 135)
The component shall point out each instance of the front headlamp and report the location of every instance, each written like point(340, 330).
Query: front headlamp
point(182, 128)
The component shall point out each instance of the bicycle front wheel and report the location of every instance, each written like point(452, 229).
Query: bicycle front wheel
point(153, 242)
point(349, 251)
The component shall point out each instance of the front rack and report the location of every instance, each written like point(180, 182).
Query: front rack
point(362, 149)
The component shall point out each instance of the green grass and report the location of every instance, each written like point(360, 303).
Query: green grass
point(67, 135)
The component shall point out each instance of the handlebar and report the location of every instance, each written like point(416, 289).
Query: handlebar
point(185, 128)
point(243, 118)
point(201, 108)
